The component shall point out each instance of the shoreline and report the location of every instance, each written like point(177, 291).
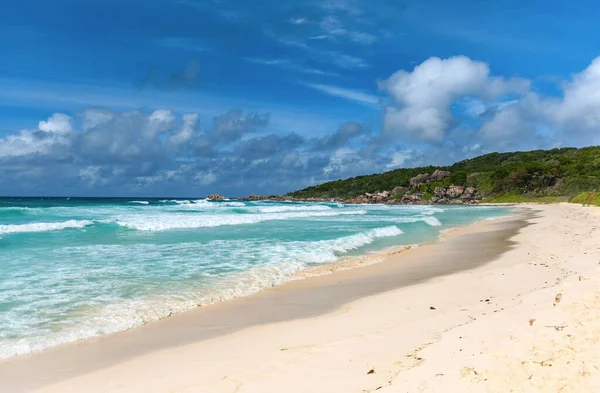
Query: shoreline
point(142, 339)
point(343, 263)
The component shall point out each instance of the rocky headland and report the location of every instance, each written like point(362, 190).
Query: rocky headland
point(423, 189)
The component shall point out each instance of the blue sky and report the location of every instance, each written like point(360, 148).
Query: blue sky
point(188, 97)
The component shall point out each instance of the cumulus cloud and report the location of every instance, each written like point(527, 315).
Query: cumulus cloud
point(27, 143)
point(188, 128)
point(57, 123)
point(145, 152)
point(420, 101)
point(51, 136)
point(124, 137)
point(519, 123)
point(579, 109)
point(537, 121)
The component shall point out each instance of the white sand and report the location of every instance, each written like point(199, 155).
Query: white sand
point(528, 321)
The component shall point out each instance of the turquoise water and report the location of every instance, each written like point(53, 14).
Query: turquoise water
point(76, 268)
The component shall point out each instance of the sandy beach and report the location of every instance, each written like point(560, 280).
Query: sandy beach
point(509, 305)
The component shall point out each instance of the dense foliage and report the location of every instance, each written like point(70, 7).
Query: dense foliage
point(556, 173)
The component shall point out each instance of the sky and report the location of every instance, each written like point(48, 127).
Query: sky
point(184, 98)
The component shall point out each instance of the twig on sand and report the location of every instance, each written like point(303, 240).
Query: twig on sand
point(557, 327)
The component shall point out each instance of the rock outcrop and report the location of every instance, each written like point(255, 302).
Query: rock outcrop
point(399, 190)
point(426, 178)
point(454, 191)
point(422, 178)
point(414, 194)
point(439, 192)
point(451, 195)
point(438, 175)
point(216, 197)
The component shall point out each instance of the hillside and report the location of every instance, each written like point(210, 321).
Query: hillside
point(557, 174)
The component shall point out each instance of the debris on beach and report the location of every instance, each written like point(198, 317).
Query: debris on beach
point(468, 371)
point(557, 298)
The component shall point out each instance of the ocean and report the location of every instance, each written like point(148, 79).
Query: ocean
point(73, 268)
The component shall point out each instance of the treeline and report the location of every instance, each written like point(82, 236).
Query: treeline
point(557, 173)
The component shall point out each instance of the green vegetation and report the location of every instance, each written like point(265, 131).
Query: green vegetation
point(523, 198)
point(540, 176)
point(587, 198)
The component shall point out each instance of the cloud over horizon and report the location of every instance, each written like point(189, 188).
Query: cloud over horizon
point(441, 111)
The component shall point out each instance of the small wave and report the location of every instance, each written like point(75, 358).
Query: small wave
point(494, 218)
point(161, 222)
point(352, 242)
point(43, 226)
point(140, 202)
point(14, 208)
point(203, 203)
point(432, 210)
point(176, 201)
point(6, 212)
point(232, 204)
point(432, 221)
point(429, 220)
point(282, 209)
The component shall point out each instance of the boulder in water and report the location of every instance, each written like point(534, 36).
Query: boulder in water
point(216, 197)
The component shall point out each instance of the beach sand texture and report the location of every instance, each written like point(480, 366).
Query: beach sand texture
point(501, 306)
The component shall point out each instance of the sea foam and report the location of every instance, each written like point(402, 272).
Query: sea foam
point(43, 226)
point(161, 222)
point(232, 274)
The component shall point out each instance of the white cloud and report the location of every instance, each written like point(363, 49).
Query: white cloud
point(51, 135)
point(573, 119)
point(507, 127)
point(340, 160)
point(349, 94)
point(23, 144)
point(158, 122)
point(421, 99)
point(186, 133)
point(580, 106)
point(399, 158)
point(95, 117)
point(58, 123)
